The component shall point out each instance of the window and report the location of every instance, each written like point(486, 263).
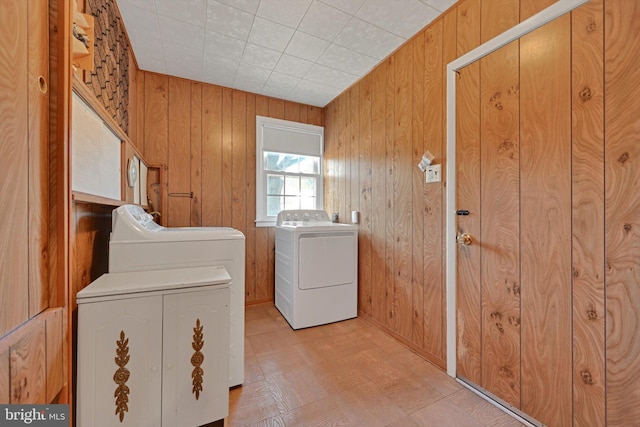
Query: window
point(288, 168)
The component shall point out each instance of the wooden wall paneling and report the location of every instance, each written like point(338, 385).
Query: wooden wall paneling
point(132, 93)
point(14, 176)
point(432, 215)
point(343, 138)
point(529, 8)
point(329, 160)
point(365, 264)
point(315, 116)
point(179, 153)
point(622, 204)
point(227, 156)
point(587, 105)
point(388, 207)
point(262, 285)
point(545, 159)
point(417, 196)
point(38, 68)
point(500, 229)
point(139, 94)
point(468, 196)
point(54, 359)
point(211, 156)
point(500, 206)
point(303, 112)
point(92, 225)
point(292, 111)
point(239, 161)
point(276, 108)
point(402, 193)
point(378, 200)
point(27, 366)
point(196, 154)
point(156, 112)
point(4, 375)
point(354, 147)
point(250, 226)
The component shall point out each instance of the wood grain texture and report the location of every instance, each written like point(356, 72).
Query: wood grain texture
point(91, 227)
point(38, 67)
point(468, 196)
point(545, 159)
point(179, 153)
point(402, 193)
point(500, 206)
point(378, 202)
point(139, 94)
point(329, 160)
point(262, 283)
point(432, 239)
point(156, 111)
point(132, 119)
point(342, 124)
point(622, 205)
point(196, 154)
point(388, 206)
point(227, 156)
point(14, 160)
point(365, 203)
point(500, 224)
point(354, 143)
point(27, 365)
point(4, 375)
point(212, 155)
point(54, 353)
point(250, 226)
point(239, 161)
point(587, 105)
point(418, 187)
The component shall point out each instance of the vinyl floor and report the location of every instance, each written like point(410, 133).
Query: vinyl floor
point(345, 374)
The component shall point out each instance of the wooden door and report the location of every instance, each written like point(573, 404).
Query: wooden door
point(514, 224)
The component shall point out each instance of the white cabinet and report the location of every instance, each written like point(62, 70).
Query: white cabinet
point(153, 348)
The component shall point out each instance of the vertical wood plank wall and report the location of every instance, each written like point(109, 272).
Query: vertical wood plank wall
point(622, 210)
point(205, 137)
point(590, 57)
point(376, 131)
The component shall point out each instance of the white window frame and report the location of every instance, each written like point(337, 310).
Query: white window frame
point(285, 146)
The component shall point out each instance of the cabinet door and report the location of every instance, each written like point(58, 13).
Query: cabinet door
point(195, 387)
point(119, 360)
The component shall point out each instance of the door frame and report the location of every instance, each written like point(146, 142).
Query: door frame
point(536, 21)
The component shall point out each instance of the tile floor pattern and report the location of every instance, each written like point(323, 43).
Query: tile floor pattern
point(345, 374)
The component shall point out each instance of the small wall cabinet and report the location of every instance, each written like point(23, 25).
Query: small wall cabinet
point(153, 348)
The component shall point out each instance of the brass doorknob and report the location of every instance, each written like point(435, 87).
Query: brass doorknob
point(464, 239)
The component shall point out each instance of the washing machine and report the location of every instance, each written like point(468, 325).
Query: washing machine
point(137, 243)
point(316, 268)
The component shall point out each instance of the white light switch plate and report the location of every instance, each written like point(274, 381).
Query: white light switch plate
point(433, 173)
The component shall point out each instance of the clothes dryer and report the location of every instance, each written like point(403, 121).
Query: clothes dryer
point(316, 268)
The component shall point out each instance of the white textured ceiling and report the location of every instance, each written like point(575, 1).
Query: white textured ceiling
point(306, 51)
